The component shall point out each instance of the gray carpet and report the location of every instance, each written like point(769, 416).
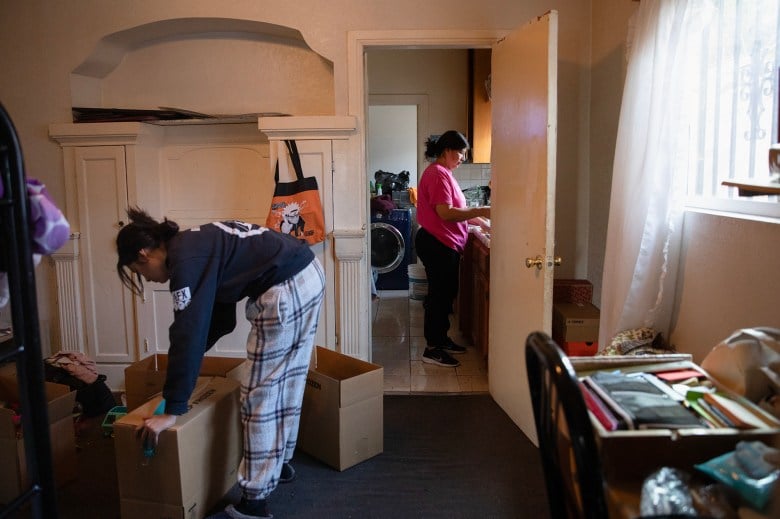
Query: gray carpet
point(444, 456)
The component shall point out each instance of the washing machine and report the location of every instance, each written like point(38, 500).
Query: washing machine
point(392, 248)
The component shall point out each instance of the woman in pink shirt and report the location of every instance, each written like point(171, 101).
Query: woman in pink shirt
point(443, 218)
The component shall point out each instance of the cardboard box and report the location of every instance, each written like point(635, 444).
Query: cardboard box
point(195, 463)
point(578, 291)
point(574, 322)
point(342, 420)
point(145, 378)
point(579, 349)
point(13, 464)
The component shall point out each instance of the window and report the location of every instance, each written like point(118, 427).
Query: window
point(731, 93)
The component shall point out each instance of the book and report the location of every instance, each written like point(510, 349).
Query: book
point(622, 416)
point(600, 410)
point(646, 405)
point(713, 418)
point(740, 416)
point(679, 375)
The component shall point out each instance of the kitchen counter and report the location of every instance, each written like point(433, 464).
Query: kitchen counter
point(480, 228)
point(474, 294)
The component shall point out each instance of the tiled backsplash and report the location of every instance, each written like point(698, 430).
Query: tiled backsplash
point(471, 175)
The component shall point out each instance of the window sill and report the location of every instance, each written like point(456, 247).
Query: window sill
point(754, 188)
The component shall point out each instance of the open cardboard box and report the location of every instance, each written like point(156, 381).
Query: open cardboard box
point(145, 378)
point(342, 420)
point(630, 455)
point(13, 465)
point(195, 463)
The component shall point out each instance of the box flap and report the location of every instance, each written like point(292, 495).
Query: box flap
point(357, 379)
point(59, 397)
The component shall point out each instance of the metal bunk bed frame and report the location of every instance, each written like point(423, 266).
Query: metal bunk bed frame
point(25, 347)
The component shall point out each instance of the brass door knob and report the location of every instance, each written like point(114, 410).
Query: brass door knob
point(538, 262)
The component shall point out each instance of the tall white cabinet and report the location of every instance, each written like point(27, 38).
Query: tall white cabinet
point(193, 174)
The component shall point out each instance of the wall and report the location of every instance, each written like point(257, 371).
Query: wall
point(44, 42)
point(441, 76)
point(728, 279)
point(608, 72)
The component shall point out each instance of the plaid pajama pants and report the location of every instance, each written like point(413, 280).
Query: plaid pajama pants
point(279, 346)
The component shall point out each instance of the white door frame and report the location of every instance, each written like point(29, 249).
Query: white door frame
point(358, 42)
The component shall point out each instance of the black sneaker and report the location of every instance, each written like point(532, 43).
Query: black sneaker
point(452, 348)
point(288, 473)
point(439, 357)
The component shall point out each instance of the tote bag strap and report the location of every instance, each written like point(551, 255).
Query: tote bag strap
point(292, 149)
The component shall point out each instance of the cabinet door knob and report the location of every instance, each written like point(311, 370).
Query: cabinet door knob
point(121, 224)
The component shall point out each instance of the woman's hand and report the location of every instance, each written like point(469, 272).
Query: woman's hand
point(153, 426)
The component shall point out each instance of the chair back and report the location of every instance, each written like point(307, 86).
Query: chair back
point(570, 457)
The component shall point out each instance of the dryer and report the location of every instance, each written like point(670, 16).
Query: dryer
point(391, 248)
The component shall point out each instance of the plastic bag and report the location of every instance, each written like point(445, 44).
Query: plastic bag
point(750, 470)
point(666, 492)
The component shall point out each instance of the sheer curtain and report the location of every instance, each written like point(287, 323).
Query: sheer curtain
point(680, 72)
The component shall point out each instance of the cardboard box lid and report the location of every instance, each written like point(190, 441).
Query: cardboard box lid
point(59, 397)
point(574, 314)
point(356, 379)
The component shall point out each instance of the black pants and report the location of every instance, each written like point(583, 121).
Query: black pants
point(442, 270)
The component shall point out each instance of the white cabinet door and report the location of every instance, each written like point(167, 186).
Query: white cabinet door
point(199, 183)
point(101, 193)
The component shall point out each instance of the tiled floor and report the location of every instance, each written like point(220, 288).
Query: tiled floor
point(398, 343)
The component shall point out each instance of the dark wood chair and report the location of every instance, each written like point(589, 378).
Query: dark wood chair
point(570, 456)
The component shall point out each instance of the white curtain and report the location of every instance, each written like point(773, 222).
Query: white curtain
point(666, 117)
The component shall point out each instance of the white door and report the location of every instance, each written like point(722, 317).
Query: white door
point(524, 113)
point(101, 186)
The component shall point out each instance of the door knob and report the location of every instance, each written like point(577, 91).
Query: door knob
point(538, 262)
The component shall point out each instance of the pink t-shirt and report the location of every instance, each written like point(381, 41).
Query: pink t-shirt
point(438, 186)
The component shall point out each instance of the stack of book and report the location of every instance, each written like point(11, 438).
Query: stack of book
point(626, 401)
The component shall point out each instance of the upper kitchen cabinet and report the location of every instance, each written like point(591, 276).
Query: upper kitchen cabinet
point(479, 105)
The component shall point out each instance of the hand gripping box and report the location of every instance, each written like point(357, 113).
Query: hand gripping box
point(13, 465)
point(195, 463)
point(576, 328)
point(145, 378)
point(342, 421)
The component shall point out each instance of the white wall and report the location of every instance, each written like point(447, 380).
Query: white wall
point(392, 140)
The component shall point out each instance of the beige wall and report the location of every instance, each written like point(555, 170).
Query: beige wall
point(42, 42)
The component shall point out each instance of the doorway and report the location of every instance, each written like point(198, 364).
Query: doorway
point(411, 94)
point(524, 131)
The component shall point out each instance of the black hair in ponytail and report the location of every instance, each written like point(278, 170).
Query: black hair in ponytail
point(143, 232)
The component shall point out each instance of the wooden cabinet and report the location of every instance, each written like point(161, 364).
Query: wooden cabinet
point(192, 175)
point(474, 294)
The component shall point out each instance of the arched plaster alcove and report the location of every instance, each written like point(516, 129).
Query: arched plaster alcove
point(208, 65)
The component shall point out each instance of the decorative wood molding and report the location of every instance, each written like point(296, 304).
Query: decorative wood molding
point(308, 127)
point(66, 266)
